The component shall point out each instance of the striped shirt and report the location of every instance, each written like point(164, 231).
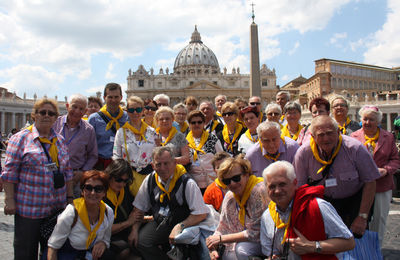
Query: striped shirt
point(24, 165)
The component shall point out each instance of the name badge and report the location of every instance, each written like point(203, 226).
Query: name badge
point(51, 167)
point(112, 138)
point(331, 182)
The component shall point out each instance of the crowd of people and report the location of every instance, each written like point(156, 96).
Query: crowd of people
point(199, 180)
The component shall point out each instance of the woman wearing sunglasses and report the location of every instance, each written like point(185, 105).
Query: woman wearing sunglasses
point(150, 108)
point(241, 210)
point(203, 146)
point(83, 229)
point(120, 200)
point(273, 112)
point(134, 143)
point(230, 134)
point(37, 177)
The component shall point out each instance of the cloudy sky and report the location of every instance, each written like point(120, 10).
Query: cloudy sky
point(63, 47)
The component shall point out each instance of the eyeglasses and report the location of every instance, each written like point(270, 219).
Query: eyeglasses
point(273, 114)
point(151, 108)
point(47, 112)
point(235, 178)
point(119, 180)
point(97, 188)
point(196, 122)
point(228, 114)
point(255, 103)
point(137, 110)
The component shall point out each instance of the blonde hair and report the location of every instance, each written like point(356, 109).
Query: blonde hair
point(228, 164)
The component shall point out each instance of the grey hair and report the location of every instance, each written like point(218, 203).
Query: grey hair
point(279, 165)
point(180, 105)
point(164, 109)
point(78, 97)
point(373, 109)
point(340, 97)
point(287, 93)
point(273, 105)
point(157, 97)
point(317, 120)
point(292, 105)
point(159, 150)
point(265, 126)
point(220, 96)
point(207, 102)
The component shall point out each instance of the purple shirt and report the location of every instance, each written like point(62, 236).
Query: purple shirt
point(81, 142)
point(352, 168)
point(259, 162)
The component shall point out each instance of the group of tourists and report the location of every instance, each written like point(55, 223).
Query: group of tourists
point(199, 180)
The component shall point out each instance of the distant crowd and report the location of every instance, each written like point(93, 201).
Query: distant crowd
point(199, 180)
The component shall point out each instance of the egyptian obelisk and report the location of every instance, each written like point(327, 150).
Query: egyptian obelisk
point(255, 86)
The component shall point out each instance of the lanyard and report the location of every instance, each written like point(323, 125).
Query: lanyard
point(73, 136)
point(46, 152)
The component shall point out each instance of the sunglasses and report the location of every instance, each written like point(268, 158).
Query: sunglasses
point(151, 108)
point(228, 114)
point(97, 188)
point(255, 103)
point(196, 122)
point(47, 112)
point(137, 110)
point(119, 180)
point(235, 178)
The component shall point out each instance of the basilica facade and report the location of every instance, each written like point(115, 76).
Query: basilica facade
point(197, 73)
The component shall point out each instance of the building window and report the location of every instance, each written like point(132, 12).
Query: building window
point(141, 83)
point(264, 83)
point(215, 82)
point(159, 84)
point(190, 83)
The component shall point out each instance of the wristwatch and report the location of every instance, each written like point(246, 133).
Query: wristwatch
point(318, 247)
point(363, 215)
point(182, 226)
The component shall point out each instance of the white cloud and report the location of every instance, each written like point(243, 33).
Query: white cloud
point(384, 48)
point(165, 63)
point(109, 73)
point(29, 79)
point(337, 38)
point(285, 77)
point(294, 49)
point(92, 90)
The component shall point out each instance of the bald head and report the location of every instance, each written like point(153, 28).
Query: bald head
point(323, 121)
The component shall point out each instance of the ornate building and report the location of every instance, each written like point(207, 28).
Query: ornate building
point(197, 73)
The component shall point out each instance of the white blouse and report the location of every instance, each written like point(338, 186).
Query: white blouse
point(78, 234)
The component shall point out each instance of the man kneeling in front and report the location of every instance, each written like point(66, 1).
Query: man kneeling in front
point(298, 223)
point(174, 200)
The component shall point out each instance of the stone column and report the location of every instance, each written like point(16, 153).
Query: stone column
point(388, 122)
point(12, 120)
point(2, 125)
point(255, 86)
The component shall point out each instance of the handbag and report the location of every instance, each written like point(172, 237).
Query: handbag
point(48, 224)
point(367, 248)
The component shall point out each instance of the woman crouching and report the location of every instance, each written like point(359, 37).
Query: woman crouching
point(83, 229)
point(241, 212)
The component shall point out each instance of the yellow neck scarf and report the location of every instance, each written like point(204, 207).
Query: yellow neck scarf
point(218, 114)
point(112, 196)
point(80, 207)
point(171, 135)
point(253, 180)
point(247, 133)
point(220, 183)
point(214, 124)
point(225, 134)
point(277, 220)
point(179, 171)
point(85, 117)
point(152, 123)
point(53, 151)
point(270, 157)
point(140, 132)
point(285, 132)
point(314, 150)
point(343, 127)
point(184, 127)
point(371, 141)
point(261, 115)
point(192, 144)
point(282, 118)
point(113, 120)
